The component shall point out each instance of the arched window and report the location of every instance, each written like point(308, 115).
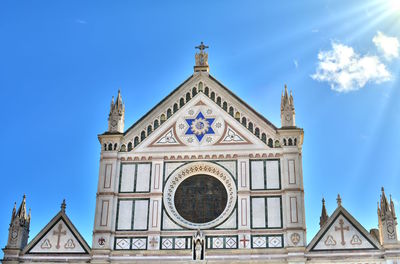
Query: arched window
point(290, 142)
point(277, 145)
point(115, 146)
point(110, 146)
point(187, 97)
point(231, 111)
point(237, 116)
point(129, 146)
point(206, 91)
point(219, 101)
point(149, 130)
point(200, 86)
point(295, 141)
point(181, 102)
point(257, 132)
point(250, 127)
point(162, 118)
point(105, 146)
point(123, 148)
point(136, 142)
point(169, 113)
point(270, 143)
point(225, 106)
point(284, 141)
point(156, 124)
point(142, 135)
point(244, 121)
point(212, 96)
point(175, 108)
point(194, 91)
point(264, 138)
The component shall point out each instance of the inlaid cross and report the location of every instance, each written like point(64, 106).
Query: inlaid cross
point(153, 242)
point(244, 240)
point(59, 233)
point(342, 229)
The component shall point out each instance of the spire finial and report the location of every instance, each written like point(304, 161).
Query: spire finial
point(324, 215)
point(63, 205)
point(339, 200)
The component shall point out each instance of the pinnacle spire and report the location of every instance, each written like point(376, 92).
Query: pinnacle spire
point(63, 205)
point(22, 208)
point(324, 215)
point(339, 200)
point(287, 109)
point(116, 118)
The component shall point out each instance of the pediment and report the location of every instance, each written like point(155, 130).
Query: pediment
point(59, 236)
point(218, 97)
point(200, 124)
point(342, 232)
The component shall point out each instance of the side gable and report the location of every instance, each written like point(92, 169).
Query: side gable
point(200, 83)
point(59, 236)
point(342, 232)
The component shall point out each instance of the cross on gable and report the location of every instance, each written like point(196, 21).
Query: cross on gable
point(342, 229)
point(59, 233)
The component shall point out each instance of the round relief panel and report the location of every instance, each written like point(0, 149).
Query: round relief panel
point(200, 198)
point(200, 195)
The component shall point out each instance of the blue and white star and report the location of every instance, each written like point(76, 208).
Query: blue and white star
point(200, 126)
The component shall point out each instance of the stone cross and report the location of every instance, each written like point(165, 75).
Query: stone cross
point(59, 233)
point(153, 242)
point(244, 240)
point(342, 229)
point(201, 47)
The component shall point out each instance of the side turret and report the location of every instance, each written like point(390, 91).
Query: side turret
point(387, 221)
point(18, 233)
point(116, 118)
point(287, 110)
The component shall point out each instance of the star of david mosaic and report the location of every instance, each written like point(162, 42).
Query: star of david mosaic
point(199, 126)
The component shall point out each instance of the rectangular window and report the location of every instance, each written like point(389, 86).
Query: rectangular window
point(266, 212)
point(132, 214)
point(135, 177)
point(265, 174)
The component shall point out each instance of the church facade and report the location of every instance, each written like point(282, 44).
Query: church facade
point(204, 177)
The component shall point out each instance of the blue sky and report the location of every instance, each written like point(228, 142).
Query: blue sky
point(61, 61)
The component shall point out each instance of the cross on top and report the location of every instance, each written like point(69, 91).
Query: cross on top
point(201, 47)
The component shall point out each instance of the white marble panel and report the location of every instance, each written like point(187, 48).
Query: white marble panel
point(170, 167)
point(139, 243)
point(257, 175)
point(258, 212)
point(259, 242)
point(168, 224)
point(107, 176)
point(127, 177)
point(230, 166)
point(122, 243)
point(230, 223)
point(125, 214)
point(293, 210)
point(274, 241)
point(143, 178)
point(141, 214)
point(272, 174)
point(274, 212)
point(291, 171)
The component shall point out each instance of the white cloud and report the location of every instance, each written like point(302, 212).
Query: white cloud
point(345, 70)
point(296, 63)
point(389, 46)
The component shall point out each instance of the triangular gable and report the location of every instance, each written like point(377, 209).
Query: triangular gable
point(203, 123)
point(342, 232)
point(146, 122)
point(59, 236)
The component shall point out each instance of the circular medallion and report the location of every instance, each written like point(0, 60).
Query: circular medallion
point(200, 195)
point(200, 198)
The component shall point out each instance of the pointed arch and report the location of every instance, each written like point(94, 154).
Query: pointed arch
point(200, 86)
point(123, 148)
point(264, 138)
point(270, 143)
point(290, 142)
point(169, 113)
point(188, 97)
point(110, 146)
point(219, 101)
point(136, 142)
point(156, 124)
point(277, 144)
point(212, 96)
point(244, 121)
point(162, 118)
point(142, 135)
point(181, 102)
point(149, 130)
point(175, 107)
point(194, 91)
point(225, 106)
point(231, 111)
point(237, 116)
point(284, 142)
point(207, 91)
point(257, 132)
point(250, 128)
point(115, 146)
point(129, 146)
